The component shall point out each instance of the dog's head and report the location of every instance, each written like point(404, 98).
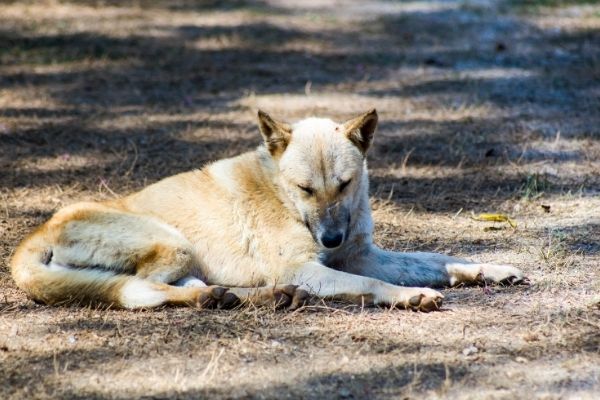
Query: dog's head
point(321, 169)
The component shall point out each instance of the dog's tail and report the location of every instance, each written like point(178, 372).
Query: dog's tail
point(51, 283)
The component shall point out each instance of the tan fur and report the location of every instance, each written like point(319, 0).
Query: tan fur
point(293, 212)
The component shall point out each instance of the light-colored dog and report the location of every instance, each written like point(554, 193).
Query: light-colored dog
point(272, 225)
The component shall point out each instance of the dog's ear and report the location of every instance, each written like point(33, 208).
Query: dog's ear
point(276, 134)
point(360, 130)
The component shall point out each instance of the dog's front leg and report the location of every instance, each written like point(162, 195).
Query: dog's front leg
point(330, 283)
point(427, 269)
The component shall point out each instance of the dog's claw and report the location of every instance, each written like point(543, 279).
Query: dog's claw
point(281, 298)
point(300, 298)
point(229, 300)
point(515, 280)
point(431, 304)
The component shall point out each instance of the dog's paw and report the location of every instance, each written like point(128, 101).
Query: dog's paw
point(289, 296)
point(502, 275)
point(478, 274)
point(426, 300)
point(216, 297)
point(280, 296)
point(300, 297)
point(425, 303)
point(416, 299)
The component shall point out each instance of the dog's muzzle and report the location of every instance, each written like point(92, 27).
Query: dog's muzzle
point(331, 240)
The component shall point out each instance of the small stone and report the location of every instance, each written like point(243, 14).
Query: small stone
point(467, 351)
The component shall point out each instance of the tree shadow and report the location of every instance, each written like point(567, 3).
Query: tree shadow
point(170, 72)
point(180, 5)
point(572, 240)
point(539, 75)
point(141, 153)
point(376, 383)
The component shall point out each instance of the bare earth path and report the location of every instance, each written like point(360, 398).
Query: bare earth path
point(485, 106)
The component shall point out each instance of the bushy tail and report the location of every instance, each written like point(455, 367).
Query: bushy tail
point(51, 283)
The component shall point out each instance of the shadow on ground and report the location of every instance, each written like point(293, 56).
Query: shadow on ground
point(144, 73)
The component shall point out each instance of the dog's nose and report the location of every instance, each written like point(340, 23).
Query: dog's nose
point(332, 240)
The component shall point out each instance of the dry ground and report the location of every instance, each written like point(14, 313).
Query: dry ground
point(485, 107)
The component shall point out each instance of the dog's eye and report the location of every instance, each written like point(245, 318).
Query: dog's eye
point(307, 190)
point(344, 185)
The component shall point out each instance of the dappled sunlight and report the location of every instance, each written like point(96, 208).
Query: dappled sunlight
point(484, 107)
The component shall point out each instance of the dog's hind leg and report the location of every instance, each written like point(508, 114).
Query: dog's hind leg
point(428, 269)
point(92, 253)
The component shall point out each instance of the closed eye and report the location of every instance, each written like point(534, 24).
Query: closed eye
point(307, 190)
point(344, 185)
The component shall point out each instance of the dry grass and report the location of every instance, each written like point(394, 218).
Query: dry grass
point(484, 108)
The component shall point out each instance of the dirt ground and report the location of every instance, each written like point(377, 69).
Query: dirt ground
point(485, 106)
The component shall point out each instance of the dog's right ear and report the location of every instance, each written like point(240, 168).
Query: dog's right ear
point(276, 134)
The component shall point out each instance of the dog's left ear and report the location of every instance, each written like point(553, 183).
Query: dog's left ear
point(360, 130)
point(276, 134)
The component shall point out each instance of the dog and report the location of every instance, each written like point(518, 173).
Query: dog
point(272, 226)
